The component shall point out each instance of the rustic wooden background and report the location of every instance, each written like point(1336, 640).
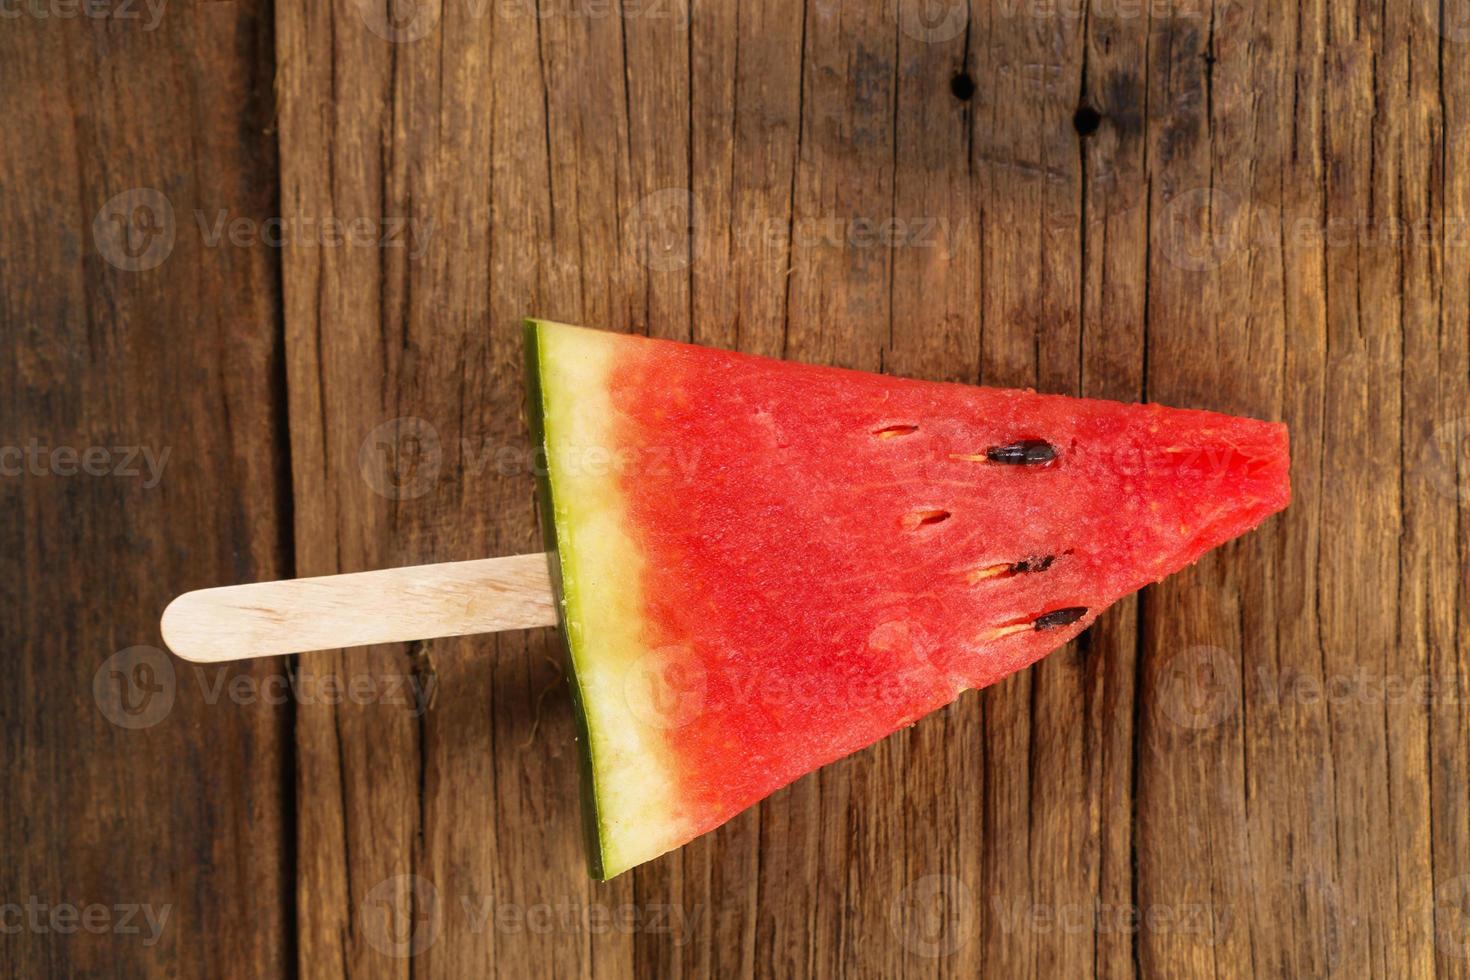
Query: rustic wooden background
point(1258, 767)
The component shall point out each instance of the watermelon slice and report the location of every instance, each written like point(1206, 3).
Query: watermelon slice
point(766, 566)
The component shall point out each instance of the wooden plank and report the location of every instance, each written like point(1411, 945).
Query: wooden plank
point(1202, 628)
point(1423, 631)
point(147, 803)
point(926, 914)
point(1302, 164)
point(829, 842)
point(468, 813)
point(1159, 798)
point(1435, 562)
point(401, 815)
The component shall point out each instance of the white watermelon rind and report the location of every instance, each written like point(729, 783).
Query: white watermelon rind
point(628, 783)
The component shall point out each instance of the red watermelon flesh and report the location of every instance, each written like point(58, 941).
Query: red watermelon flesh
point(766, 566)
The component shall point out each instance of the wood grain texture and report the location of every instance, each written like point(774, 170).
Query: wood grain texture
point(1256, 768)
point(147, 803)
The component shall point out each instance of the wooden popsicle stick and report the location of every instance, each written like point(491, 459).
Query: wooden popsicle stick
point(395, 605)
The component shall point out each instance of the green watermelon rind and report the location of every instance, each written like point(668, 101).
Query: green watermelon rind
point(565, 592)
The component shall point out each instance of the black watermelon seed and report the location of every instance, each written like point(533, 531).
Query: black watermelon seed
point(1034, 564)
point(1027, 452)
point(1058, 618)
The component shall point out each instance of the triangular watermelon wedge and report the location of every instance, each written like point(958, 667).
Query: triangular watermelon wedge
point(766, 566)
